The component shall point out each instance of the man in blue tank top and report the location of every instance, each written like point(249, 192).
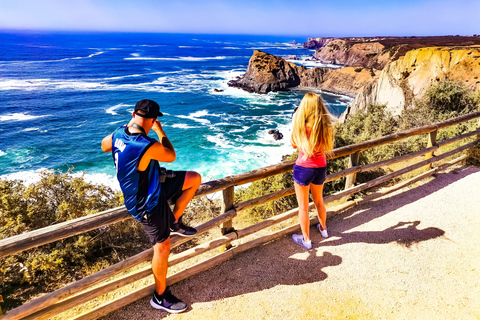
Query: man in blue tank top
point(148, 190)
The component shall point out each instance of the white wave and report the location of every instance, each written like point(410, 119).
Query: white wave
point(19, 117)
point(307, 61)
point(135, 54)
point(150, 45)
point(27, 177)
point(111, 110)
point(30, 129)
point(116, 122)
point(196, 116)
point(58, 60)
point(182, 126)
point(245, 128)
point(233, 48)
point(189, 46)
point(2, 153)
point(47, 84)
point(181, 58)
point(99, 179)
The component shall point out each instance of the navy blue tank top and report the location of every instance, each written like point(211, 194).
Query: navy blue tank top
point(141, 189)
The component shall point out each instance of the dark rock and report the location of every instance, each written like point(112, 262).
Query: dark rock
point(294, 42)
point(217, 90)
point(267, 73)
point(277, 135)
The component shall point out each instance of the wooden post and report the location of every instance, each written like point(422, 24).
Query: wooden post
point(350, 181)
point(432, 140)
point(227, 204)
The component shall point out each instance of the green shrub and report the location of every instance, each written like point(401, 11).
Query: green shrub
point(54, 199)
point(263, 187)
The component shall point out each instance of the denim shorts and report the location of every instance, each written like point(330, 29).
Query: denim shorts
point(304, 176)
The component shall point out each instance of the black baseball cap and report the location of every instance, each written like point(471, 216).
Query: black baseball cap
point(148, 109)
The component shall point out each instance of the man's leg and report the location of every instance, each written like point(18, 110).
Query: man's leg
point(161, 251)
point(190, 186)
point(163, 298)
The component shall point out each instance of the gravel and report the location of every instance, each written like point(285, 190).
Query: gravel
point(411, 255)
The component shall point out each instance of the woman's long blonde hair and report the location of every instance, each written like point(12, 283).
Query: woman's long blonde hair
point(312, 111)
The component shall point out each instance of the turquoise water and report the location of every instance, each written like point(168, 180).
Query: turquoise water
point(60, 94)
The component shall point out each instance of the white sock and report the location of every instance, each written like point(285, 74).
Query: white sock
point(309, 242)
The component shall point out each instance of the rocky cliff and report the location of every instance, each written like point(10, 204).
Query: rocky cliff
point(407, 78)
point(267, 73)
point(377, 52)
point(391, 71)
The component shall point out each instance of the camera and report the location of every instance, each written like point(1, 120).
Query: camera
point(164, 174)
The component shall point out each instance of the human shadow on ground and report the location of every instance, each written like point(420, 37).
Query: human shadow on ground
point(369, 211)
point(403, 233)
point(281, 262)
point(406, 236)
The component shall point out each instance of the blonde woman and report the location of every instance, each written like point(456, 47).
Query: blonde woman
point(312, 135)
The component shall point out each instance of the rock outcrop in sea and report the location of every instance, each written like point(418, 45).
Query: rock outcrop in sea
point(267, 73)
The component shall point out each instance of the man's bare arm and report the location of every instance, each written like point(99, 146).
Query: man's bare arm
point(107, 143)
point(161, 151)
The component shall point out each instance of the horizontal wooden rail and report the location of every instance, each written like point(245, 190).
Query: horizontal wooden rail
point(90, 294)
point(202, 266)
point(49, 302)
point(80, 285)
point(77, 226)
point(202, 248)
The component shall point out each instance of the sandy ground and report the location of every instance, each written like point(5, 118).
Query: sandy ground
point(414, 254)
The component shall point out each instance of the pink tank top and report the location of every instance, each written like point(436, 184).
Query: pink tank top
point(318, 160)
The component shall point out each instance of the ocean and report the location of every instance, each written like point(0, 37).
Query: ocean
point(61, 93)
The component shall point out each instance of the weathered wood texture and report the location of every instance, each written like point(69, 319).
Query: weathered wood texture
point(432, 140)
point(73, 227)
point(85, 283)
point(227, 204)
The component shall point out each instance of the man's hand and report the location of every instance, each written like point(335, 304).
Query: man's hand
point(157, 127)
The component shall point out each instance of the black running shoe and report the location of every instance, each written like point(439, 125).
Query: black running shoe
point(168, 302)
point(182, 230)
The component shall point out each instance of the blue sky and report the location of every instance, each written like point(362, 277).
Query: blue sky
point(266, 17)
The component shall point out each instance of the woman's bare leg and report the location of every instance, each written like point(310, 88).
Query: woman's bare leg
point(302, 199)
point(317, 196)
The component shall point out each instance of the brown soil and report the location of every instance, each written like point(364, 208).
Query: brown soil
point(411, 255)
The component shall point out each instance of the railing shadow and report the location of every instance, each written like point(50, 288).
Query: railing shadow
point(340, 224)
point(284, 263)
point(281, 262)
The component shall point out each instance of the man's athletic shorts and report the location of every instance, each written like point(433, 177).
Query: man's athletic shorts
point(158, 221)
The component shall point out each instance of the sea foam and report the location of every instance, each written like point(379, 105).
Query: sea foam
point(19, 117)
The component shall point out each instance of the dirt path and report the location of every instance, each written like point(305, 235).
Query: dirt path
point(411, 255)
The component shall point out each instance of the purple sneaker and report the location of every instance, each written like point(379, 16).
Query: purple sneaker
point(298, 239)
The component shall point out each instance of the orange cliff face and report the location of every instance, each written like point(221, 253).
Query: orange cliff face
point(408, 78)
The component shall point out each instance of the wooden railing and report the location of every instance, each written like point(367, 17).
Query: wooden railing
point(81, 291)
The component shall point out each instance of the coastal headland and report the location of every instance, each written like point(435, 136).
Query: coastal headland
point(390, 70)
